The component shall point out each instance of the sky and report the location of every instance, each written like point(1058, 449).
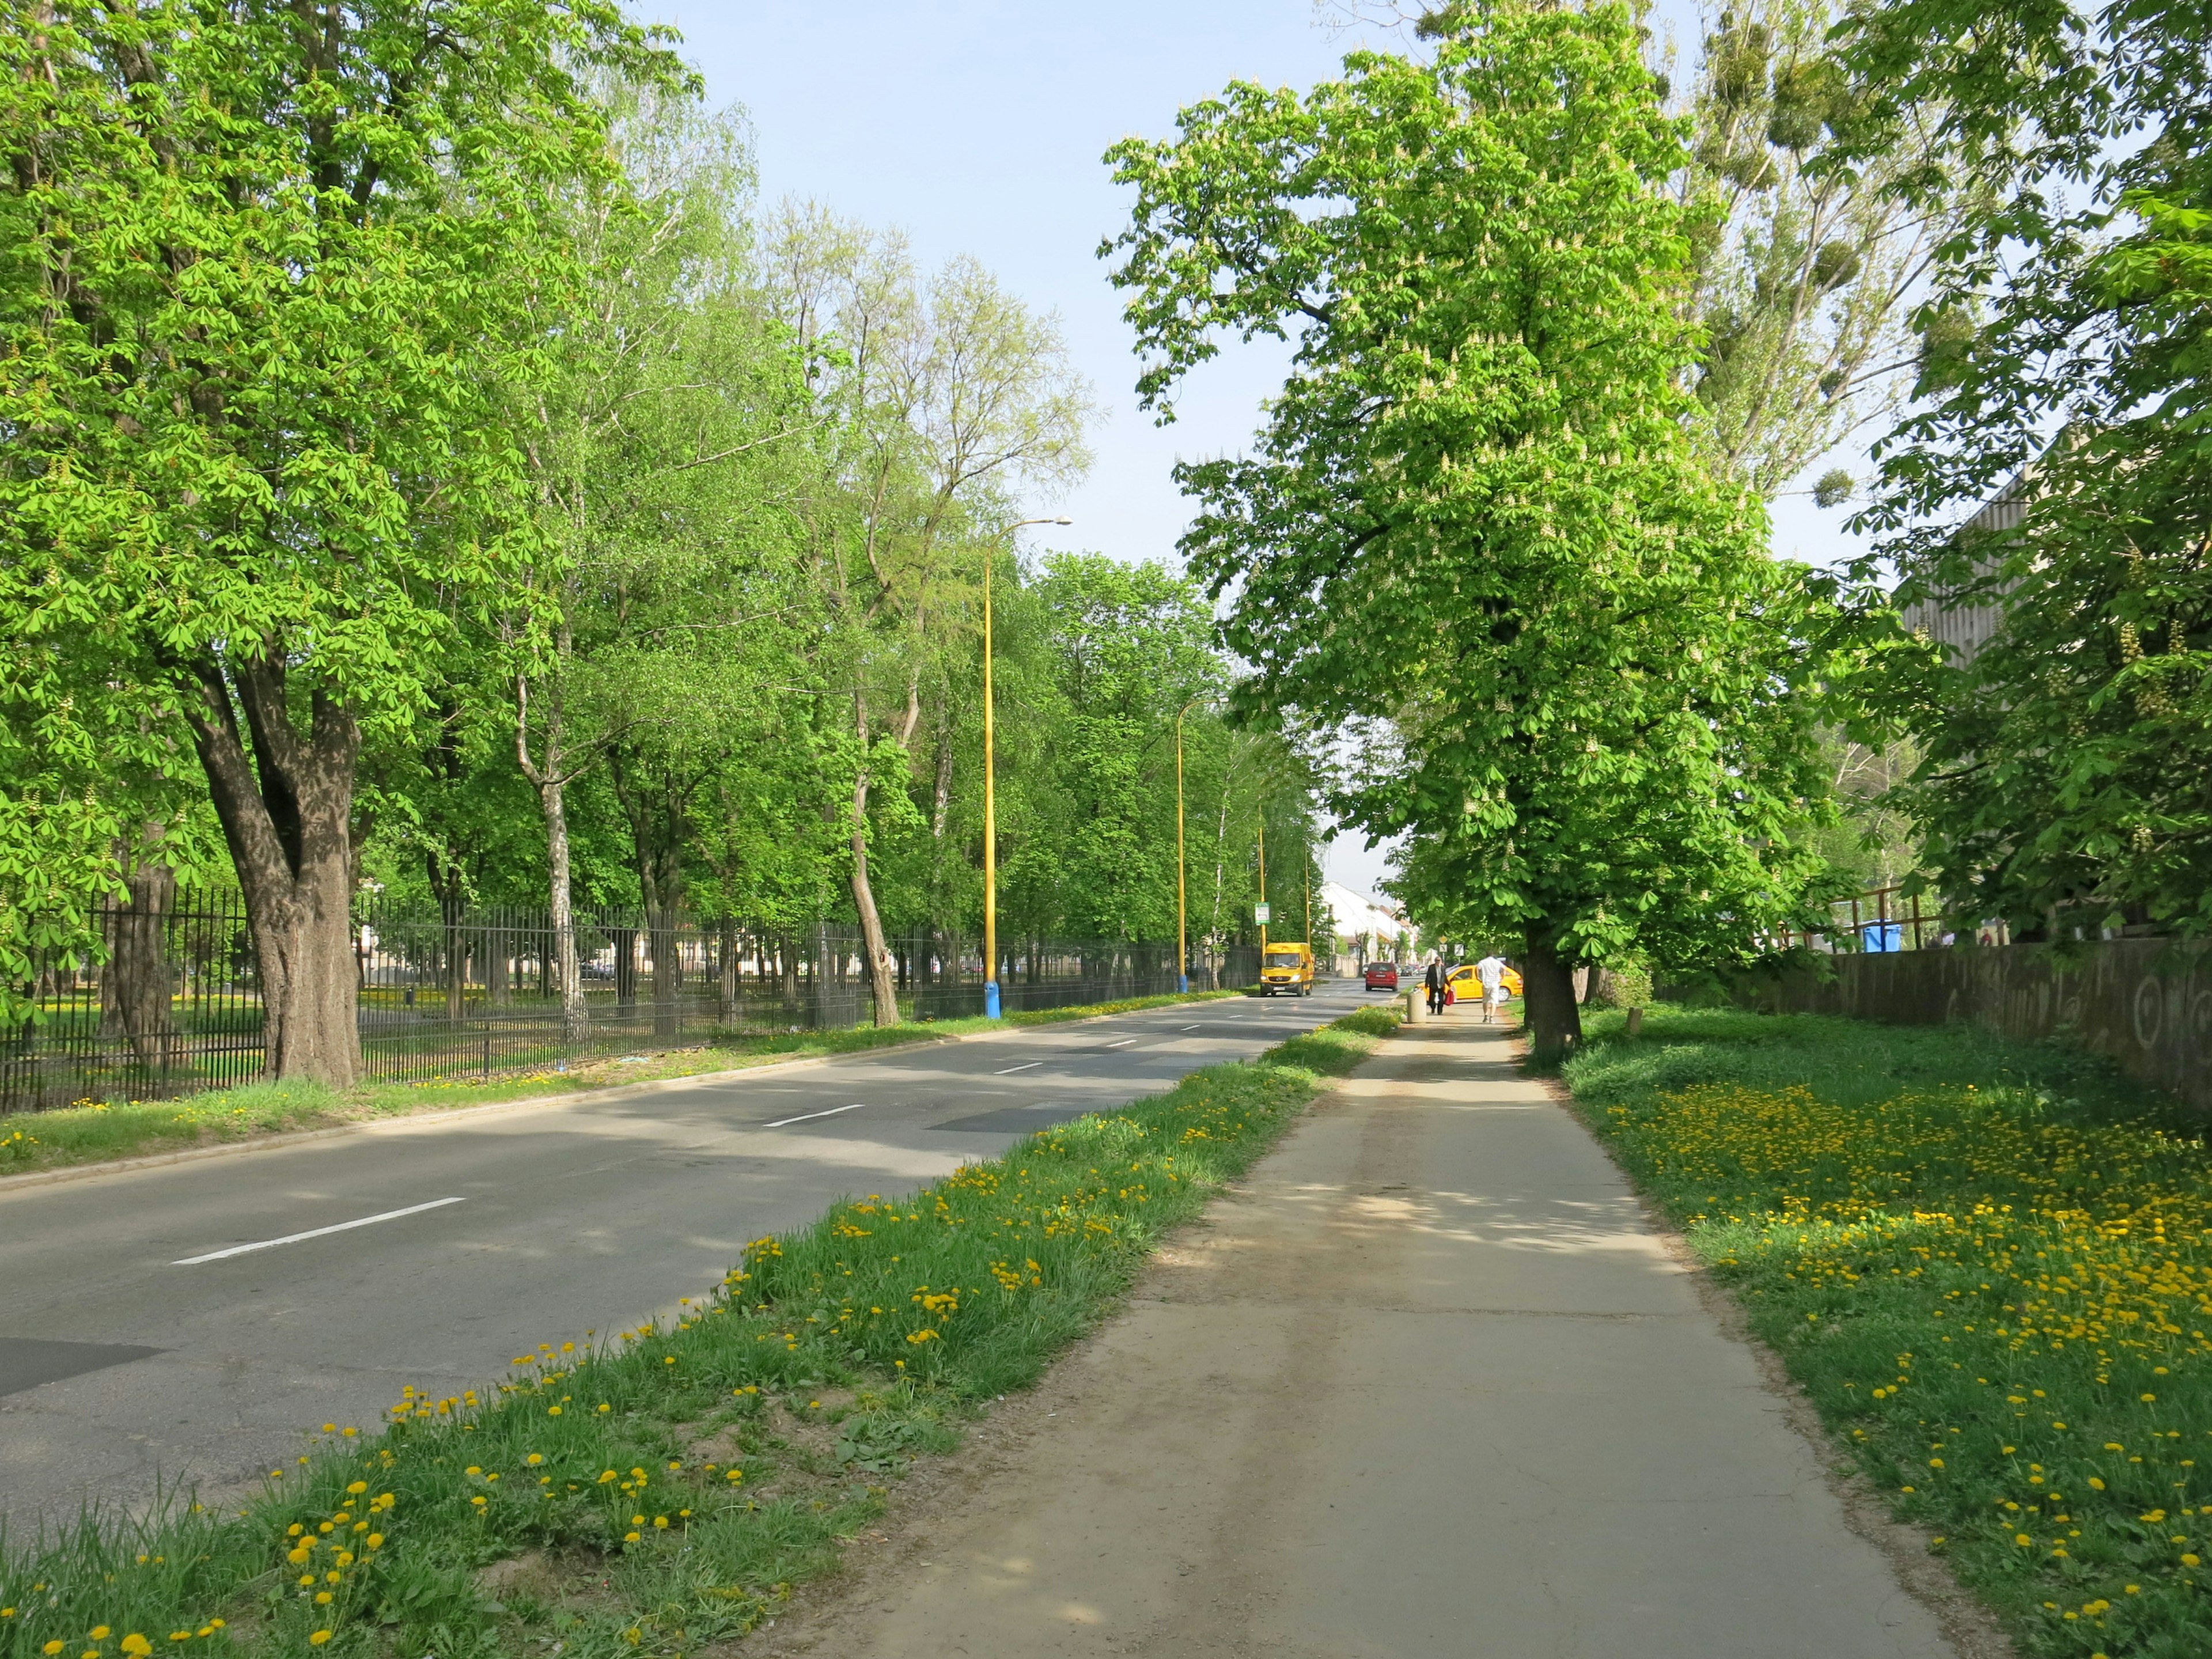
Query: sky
point(976, 127)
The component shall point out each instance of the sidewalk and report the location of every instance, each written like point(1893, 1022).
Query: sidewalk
point(1428, 1385)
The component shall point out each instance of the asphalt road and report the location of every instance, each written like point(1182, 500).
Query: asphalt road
point(189, 1323)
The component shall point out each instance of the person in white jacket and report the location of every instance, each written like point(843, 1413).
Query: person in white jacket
point(1491, 970)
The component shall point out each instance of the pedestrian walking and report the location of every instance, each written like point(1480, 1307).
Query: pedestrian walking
point(1434, 978)
point(1491, 970)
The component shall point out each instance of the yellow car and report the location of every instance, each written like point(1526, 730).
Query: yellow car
point(1288, 970)
point(1466, 985)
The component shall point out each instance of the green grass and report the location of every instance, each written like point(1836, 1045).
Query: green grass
point(94, 1132)
point(1989, 1264)
point(587, 1505)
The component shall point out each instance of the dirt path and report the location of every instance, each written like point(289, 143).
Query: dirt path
point(1428, 1384)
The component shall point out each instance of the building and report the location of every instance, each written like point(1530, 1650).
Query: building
point(1963, 630)
point(1367, 929)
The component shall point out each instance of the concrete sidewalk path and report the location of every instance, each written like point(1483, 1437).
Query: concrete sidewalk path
point(1428, 1384)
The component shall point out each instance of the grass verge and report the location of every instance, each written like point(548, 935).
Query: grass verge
point(658, 1492)
point(1989, 1264)
point(96, 1133)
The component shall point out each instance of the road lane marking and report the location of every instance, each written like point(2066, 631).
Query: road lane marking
point(804, 1116)
point(1023, 1067)
point(316, 1232)
point(1190, 1028)
point(1123, 1043)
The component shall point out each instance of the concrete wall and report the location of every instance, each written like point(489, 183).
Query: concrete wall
point(2146, 1003)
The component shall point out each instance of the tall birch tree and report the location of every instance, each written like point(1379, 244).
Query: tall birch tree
point(941, 398)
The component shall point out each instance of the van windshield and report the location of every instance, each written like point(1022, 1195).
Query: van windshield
point(1284, 956)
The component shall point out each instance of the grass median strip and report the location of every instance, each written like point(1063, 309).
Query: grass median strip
point(1990, 1264)
point(96, 1131)
point(658, 1491)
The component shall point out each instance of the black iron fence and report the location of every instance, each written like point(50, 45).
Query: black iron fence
point(172, 1004)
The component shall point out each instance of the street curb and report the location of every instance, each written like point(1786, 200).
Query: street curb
point(13, 1184)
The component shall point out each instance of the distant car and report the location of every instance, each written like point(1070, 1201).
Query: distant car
point(1382, 976)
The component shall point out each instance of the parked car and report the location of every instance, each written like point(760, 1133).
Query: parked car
point(1466, 985)
point(1382, 976)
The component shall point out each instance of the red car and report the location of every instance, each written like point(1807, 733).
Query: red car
point(1382, 976)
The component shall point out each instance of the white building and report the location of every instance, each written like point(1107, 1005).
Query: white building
point(1366, 928)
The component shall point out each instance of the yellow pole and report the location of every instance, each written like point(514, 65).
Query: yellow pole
point(990, 814)
point(1182, 940)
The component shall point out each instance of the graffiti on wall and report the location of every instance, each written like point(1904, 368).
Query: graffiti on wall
point(2145, 1003)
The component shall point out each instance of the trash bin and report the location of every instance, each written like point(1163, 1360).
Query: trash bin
point(1417, 1006)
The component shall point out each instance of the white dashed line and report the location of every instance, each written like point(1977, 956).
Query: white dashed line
point(804, 1116)
point(316, 1232)
point(1023, 1067)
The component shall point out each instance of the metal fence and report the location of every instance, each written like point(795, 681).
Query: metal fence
point(172, 1004)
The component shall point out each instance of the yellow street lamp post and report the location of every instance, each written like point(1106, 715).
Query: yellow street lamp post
point(991, 794)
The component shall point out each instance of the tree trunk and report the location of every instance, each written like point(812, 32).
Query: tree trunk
point(551, 783)
point(574, 1019)
point(135, 984)
point(625, 943)
point(286, 813)
point(456, 952)
point(941, 806)
point(726, 980)
point(1555, 1020)
point(881, 985)
point(652, 798)
point(668, 971)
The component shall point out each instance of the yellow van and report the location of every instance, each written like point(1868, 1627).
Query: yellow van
point(1287, 967)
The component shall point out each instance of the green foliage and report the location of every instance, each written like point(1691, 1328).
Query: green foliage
point(1476, 511)
point(670, 440)
point(940, 401)
point(259, 281)
point(2063, 785)
point(420, 461)
point(1624, 985)
point(1111, 651)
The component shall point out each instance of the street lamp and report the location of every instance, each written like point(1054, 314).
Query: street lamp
point(991, 797)
point(1183, 937)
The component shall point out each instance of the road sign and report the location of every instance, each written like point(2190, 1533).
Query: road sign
point(1259, 914)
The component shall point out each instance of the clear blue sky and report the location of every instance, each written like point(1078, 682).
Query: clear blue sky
point(977, 126)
